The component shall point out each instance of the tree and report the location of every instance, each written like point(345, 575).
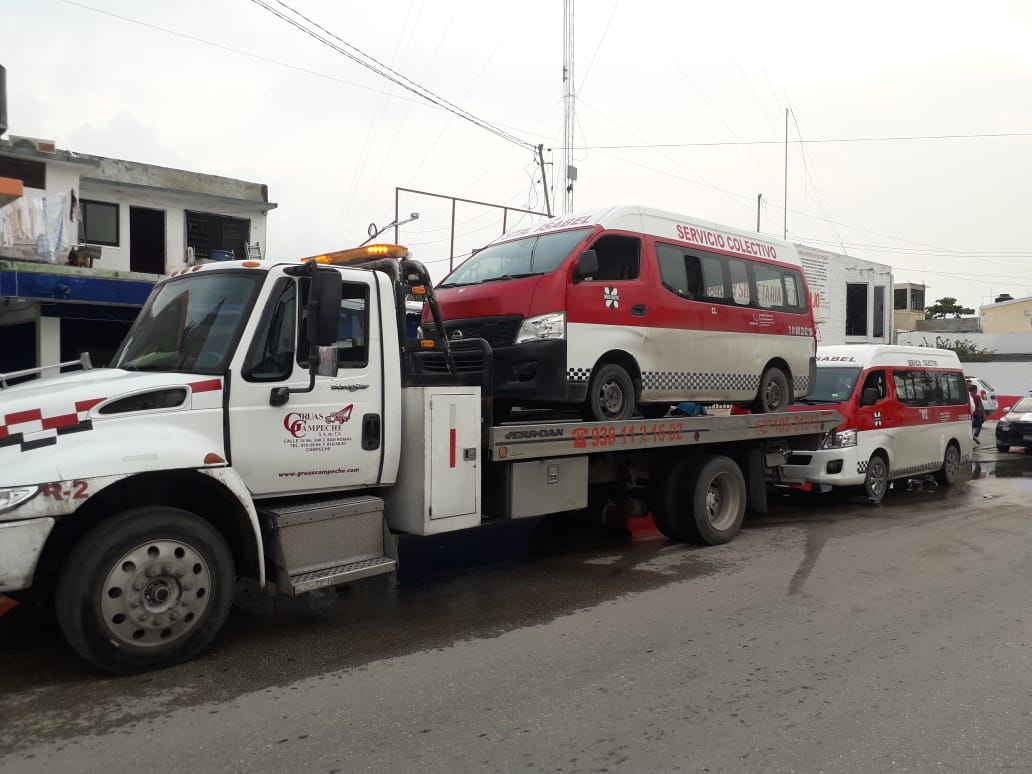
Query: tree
point(967, 351)
point(947, 307)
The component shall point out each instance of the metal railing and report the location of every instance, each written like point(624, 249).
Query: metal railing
point(83, 361)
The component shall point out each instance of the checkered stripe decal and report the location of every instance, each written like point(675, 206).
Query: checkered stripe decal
point(689, 381)
point(913, 470)
point(578, 374)
point(31, 430)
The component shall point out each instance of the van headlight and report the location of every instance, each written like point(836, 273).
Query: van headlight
point(839, 440)
point(545, 326)
point(1001, 425)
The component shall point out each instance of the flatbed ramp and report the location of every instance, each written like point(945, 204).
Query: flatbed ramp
point(559, 439)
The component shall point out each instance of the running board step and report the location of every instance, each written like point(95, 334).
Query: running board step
point(342, 573)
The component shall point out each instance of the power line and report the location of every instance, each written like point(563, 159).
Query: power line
point(363, 59)
point(900, 138)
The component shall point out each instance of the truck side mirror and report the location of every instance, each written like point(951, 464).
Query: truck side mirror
point(324, 308)
point(587, 266)
point(869, 396)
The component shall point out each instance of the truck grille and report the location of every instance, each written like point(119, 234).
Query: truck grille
point(497, 331)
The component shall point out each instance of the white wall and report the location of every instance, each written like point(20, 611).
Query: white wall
point(827, 275)
point(1012, 377)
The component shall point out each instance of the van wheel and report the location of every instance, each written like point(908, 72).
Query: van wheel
point(774, 394)
point(610, 395)
point(1002, 447)
point(947, 474)
point(876, 482)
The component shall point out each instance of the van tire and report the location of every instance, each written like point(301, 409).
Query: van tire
point(950, 470)
point(610, 395)
point(1002, 447)
point(876, 480)
point(774, 395)
point(654, 410)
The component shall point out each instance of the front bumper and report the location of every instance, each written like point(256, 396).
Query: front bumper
point(21, 543)
point(534, 374)
point(834, 467)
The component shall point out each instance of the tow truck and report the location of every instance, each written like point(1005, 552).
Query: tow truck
point(277, 421)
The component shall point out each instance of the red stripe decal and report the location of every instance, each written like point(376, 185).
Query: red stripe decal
point(3, 431)
point(86, 405)
point(33, 415)
point(51, 423)
point(451, 448)
point(207, 385)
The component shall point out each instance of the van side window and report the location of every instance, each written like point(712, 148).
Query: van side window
point(619, 258)
point(930, 388)
point(713, 279)
point(876, 380)
point(680, 272)
point(741, 292)
point(769, 289)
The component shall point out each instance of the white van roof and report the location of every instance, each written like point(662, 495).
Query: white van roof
point(668, 225)
point(870, 355)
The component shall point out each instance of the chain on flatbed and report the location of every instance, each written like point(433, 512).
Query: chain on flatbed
point(560, 439)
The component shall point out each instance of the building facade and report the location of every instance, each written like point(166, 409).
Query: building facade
point(88, 237)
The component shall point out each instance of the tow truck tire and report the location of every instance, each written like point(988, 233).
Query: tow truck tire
point(610, 395)
point(774, 395)
point(703, 500)
point(950, 470)
point(148, 588)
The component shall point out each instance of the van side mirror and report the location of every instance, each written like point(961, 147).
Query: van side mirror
point(869, 396)
point(587, 266)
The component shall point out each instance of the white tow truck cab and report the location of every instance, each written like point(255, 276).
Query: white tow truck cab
point(275, 421)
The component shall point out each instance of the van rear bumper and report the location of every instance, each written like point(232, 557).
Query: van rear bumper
point(534, 374)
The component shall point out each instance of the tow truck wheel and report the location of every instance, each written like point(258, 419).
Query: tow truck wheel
point(774, 394)
point(947, 474)
point(610, 395)
point(702, 500)
point(148, 588)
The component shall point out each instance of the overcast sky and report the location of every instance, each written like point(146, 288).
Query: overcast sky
point(680, 105)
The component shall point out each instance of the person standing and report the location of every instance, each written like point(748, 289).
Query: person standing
point(977, 413)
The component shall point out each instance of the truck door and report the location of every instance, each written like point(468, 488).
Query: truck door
point(330, 438)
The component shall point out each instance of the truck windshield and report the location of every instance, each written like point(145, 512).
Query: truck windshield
point(525, 257)
point(190, 324)
point(834, 384)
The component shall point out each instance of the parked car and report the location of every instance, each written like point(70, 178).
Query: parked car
point(1015, 426)
point(986, 393)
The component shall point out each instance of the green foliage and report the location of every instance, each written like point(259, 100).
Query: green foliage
point(947, 307)
point(967, 351)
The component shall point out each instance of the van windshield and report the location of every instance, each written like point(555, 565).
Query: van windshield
point(834, 384)
point(525, 257)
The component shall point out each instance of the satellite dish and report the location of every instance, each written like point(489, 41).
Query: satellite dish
point(371, 231)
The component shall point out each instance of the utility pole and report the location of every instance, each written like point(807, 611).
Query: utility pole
point(786, 174)
point(569, 103)
point(544, 180)
point(759, 201)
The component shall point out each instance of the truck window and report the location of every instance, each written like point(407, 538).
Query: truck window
point(271, 357)
point(352, 334)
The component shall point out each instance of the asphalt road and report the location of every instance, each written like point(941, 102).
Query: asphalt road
point(828, 637)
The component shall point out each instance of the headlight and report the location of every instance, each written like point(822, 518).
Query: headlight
point(1003, 425)
point(545, 326)
point(12, 497)
point(840, 440)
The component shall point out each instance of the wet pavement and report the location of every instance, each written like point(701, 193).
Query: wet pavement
point(551, 645)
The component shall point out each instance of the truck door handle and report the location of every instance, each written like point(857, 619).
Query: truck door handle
point(371, 432)
point(638, 310)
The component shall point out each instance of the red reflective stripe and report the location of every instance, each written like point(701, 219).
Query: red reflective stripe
point(206, 386)
point(451, 448)
point(62, 421)
point(86, 405)
point(33, 415)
